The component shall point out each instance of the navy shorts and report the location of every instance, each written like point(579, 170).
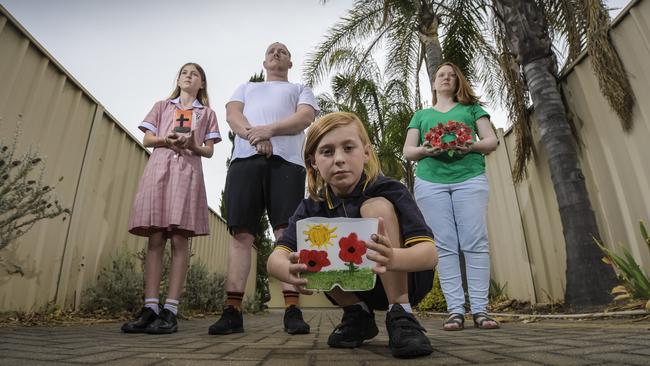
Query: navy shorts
point(258, 183)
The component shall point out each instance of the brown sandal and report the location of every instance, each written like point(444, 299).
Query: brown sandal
point(454, 319)
point(481, 318)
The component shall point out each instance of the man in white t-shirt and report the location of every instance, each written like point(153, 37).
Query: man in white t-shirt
point(266, 173)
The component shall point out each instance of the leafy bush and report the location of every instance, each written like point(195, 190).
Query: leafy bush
point(118, 287)
point(435, 300)
point(635, 282)
point(24, 199)
point(203, 291)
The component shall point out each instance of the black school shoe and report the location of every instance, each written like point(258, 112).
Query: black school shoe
point(405, 334)
point(164, 324)
point(231, 321)
point(145, 317)
point(293, 321)
point(357, 325)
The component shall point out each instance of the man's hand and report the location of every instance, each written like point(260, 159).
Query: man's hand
point(258, 133)
point(264, 148)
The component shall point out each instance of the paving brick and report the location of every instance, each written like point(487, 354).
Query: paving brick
point(477, 356)
point(549, 358)
point(42, 356)
point(101, 357)
point(8, 361)
point(621, 358)
point(248, 354)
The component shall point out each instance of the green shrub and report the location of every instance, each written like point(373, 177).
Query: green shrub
point(203, 291)
point(118, 287)
point(636, 283)
point(24, 198)
point(435, 300)
point(497, 292)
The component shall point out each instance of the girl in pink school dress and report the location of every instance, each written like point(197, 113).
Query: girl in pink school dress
point(171, 202)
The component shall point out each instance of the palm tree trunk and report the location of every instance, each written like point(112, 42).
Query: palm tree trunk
point(428, 33)
point(588, 280)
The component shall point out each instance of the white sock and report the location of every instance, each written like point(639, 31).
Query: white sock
point(406, 307)
point(364, 306)
point(171, 305)
point(152, 303)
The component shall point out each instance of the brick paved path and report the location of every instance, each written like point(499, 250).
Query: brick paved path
point(613, 342)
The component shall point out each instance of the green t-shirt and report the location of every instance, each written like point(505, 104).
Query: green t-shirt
point(444, 168)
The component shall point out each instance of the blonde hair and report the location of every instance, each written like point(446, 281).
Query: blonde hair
point(316, 185)
point(463, 93)
point(202, 95)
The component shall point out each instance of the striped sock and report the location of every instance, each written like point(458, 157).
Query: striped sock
point(171, 305)
point(152, 303)
point(290, 298)
point(234, 299)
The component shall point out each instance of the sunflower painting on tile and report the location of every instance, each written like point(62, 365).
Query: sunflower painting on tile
point(335, 253)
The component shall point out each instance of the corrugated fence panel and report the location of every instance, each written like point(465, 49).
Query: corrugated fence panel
point(101, 165)
point(619, 174)
point(508, 251)
point(54, 119)
point(104, 196)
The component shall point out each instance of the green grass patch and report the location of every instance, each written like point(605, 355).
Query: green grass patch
point(362, 279)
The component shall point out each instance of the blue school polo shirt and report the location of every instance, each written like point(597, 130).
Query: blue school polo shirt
point(413, 230)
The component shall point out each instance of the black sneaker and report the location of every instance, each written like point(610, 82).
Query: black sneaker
point(405, 335)
point(145, 317)
point(357, 325)
point(231, 321)
point(293, 321)
point(164, 324)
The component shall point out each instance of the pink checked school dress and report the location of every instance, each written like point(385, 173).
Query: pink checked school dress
point(171, 194)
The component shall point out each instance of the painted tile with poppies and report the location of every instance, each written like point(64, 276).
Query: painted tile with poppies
point(333, 250)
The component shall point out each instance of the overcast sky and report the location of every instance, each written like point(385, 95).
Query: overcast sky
point(127, 53)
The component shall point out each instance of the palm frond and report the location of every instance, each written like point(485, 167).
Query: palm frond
point(567, 26)
point(612, 78)
point(462, 33)
point(361, 22)
point(516, 102)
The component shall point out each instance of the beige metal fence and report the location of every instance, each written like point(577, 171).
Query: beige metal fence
point(524, 225)
point(100, 162)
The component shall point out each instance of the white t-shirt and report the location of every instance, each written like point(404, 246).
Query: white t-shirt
point(268, 102)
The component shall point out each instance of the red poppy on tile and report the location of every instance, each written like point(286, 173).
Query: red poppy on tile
point(314, 259)
point(352, 249)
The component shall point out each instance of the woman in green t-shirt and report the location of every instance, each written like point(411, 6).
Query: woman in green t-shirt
point(451, 190)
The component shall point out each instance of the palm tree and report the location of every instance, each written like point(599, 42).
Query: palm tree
point(526, 29)
point(383, 107)
point(411, 31)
